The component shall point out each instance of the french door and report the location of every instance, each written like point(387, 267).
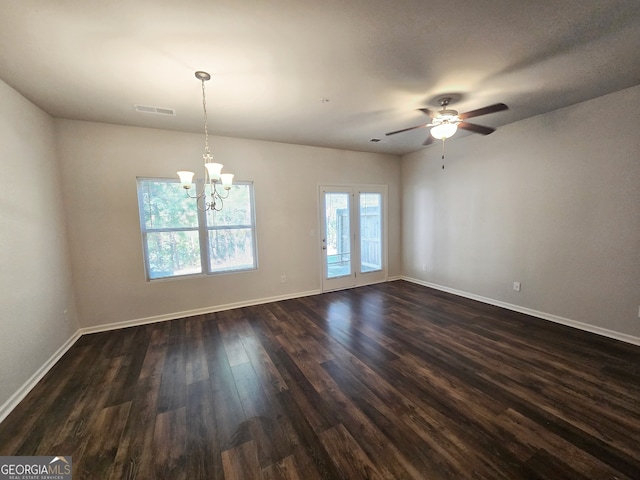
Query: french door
point(353, 235)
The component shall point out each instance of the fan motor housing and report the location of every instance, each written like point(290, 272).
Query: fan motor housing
point(447, 113)
point(446, 116)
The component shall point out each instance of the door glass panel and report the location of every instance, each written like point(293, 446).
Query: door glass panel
point(338, 234)
point(370, 232)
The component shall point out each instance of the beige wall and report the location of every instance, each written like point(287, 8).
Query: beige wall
point(552, 201)
point(100, 163)
point(35, 280)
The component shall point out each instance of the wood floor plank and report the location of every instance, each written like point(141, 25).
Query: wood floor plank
point(262, 363)
point(169, 441)
point(241, 462)
point(229, 413)
point(271, 442)
point(135, 458)
point(389, 458)
point(231, 339)
point(102, 446)
point(351, 459)
point(392, 381)
point(311, 369)
point(202, 448)
point(531, 441)
point(124, 384)
point(196, 359)
point(173, 386)
point(80, 422)
point(413, 448)
point(285, 469)
point(317, 414)
point(313, 454)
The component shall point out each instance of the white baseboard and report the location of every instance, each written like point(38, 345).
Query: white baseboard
point(623, 337)
point(22, 392)
point(191, 313)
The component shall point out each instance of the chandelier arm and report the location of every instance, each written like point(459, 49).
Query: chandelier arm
point(203, 193)
point(204, 206)
point(218, 193)
point(198, 195)
point(219, 209)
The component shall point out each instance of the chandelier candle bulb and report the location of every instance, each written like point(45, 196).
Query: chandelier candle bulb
point(227, 180)
point(214, 170)
point(186, 178)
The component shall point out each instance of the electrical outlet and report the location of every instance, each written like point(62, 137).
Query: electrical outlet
point(283, 279)
point(424, 267)
point(516, 286)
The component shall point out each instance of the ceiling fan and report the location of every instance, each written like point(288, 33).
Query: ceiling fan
point(445, 122)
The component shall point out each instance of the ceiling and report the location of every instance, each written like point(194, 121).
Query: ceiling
point(273, 61)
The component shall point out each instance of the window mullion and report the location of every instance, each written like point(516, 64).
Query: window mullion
point(203, 234)
point(166, 230)
point(229, 227)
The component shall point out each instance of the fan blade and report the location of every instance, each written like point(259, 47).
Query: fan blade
point(428, 141)
point(407, 129)
point(426, 111)
point(498, 107)
point(472, 127)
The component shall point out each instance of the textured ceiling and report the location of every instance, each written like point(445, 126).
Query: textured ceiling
point(272, 61)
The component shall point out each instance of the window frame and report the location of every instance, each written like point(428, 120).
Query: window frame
point(202, 229)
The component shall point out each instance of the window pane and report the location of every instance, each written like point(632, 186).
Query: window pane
point(166, 205)
point(236, 208)
point(338, 234)
point(231, 249)
point(177, 237)
point(173, 253)
point(370, 232)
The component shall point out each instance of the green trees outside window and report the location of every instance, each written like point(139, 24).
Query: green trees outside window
point(179, 239)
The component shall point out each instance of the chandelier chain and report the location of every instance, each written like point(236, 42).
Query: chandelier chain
point(206, 124)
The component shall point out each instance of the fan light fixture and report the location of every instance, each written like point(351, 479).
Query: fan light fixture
point(445, 122)
point(444, 130)
point(209, 197)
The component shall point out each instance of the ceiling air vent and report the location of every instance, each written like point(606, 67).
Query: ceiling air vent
point(156, 110)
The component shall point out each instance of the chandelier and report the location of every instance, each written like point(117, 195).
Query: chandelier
point(209, 198)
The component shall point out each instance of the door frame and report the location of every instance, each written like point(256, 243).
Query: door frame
point(357, 277)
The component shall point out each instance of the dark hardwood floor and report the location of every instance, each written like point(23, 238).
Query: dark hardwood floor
point(387, 381)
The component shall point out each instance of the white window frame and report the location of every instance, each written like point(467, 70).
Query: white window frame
point(202, 228)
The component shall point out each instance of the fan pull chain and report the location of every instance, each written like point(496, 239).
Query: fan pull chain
point(443, 153)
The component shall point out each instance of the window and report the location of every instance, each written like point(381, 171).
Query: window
point(179, 239)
